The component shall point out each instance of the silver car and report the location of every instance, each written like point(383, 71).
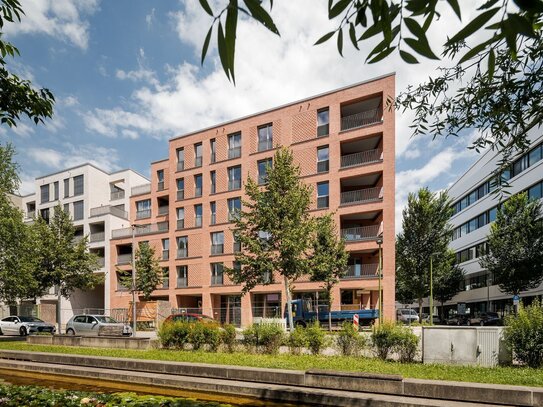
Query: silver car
point(19, 325)
point(94, 325)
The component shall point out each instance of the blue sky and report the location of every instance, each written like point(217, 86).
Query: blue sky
point(126, 76)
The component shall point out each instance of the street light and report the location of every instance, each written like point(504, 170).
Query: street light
point(379, 243)
point(432, 288)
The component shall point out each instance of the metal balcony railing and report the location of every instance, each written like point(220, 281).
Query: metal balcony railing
point(265, 145)
point(165, 254)
point(182, 253)
point(163, 210)
point(141, 189)
point(146, 213)
point(180, 194)
point(362, 271)
point(362, 157)
point(125, 258)
point(78, 238)
point(323, 130)
point(198, 191)
point(116, 195)
point(362, 195)
point(323, 166)
point(180, 165)
point(217, 279)
point(234, 184)
point(360, 119)
point(182, 282)
point(322, 202)
point(160, 186)
point(217, 248)
point(97, 237)
point(197, 161)
point(108, 210)
point(140, 230)
point(360, 233)
point(180, 224)
point(234, 152)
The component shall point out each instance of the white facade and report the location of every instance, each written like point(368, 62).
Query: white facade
point(98, 202)
point(479, 294)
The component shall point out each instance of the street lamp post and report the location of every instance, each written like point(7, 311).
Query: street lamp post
point(134, 313)
point(380, 270)
point(431, 299)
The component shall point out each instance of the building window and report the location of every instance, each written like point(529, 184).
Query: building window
point(213, 210)
point(217, 274)
point(323, 122)
point(236, 247)
point(182, 247)
point(66, 187)
point(182, 276)
point(56, 191)
point(213, 176)
point(198, 185)
point(122, 276)
point(78, 210)
point(44, 213)
point(234, 178)
point(536, 192)
point(323, 157)
point(234, 208)
point(198, 215)
point(180, 189)
point(198, 155)
point(165, 277)
point(180, 152)
point(180, 218)
point(160, 178)
point(322, 195)
point(67, 208)
point(263, 167)
point(234, 145)
point(165, 249)
point(78, 185)
point(143, 209)
point(212, 145)
point(217, 243)
point(265, 137)
point(44, 193)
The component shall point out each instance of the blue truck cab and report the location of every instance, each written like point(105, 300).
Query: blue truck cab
point(304, 312)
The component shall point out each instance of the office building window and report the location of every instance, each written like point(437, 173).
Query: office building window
point(263, 166)
point(265, 137)
point(182, 247)
point(198, 155)
point(143, 209)
point(536, 191)
point(78, 185)
point(180, 188)
point(160, 179)
point(66, 208)
point(234, 208)
point(198, 215)
point(234, 178)
point(217, 243)
point(198, 185)
point(44, 213)
point(180, 152)
point(182, 276)
point(323, 157)
point(213, 211)
point(213, 177)
point(66, 187)
point(79, 210)
point(323, 122)
point(165, 277)
point(234, 145)
point(216, 274)
point(56, 191)
point(165, 249)
point(180, 218)
point(213, 145)
point(44, 193)
point(322, 195)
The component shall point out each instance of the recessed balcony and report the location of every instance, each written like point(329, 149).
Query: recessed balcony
point(361, 152)
point(361, 113)
point(361, 189)
point(359, 227)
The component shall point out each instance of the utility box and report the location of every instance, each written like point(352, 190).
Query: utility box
point(470, 345)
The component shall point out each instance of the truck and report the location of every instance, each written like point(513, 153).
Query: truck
point(303, 313)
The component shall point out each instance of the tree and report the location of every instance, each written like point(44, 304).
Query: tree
point(426, 233)
point(492, 84)
point(275, 228)
point(148, 271)
point(515, 245)
point(448, 279)
point(329, 259)
point(17, 96)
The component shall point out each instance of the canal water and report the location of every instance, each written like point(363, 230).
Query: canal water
point(58, 382)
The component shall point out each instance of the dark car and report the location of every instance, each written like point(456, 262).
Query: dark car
point(458, 319)
point(188, 317)
point(486, 318)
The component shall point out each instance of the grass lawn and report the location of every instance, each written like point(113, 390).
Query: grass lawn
point(499, 375)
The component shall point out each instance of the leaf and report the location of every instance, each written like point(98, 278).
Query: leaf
point(407, 57)
point(488, 4)
point(478, 48)
point(454, 5)
point(261, 15)
point(491, 64)
point(325, 38)
point(370, 32)
point(473, 26)
point(352, 34)
point(205, 6)
point(521, 25)
point(223, 54)
point(421, 47)
point(414, 27)
point(340, 42)
point(382, 55)
point(533, 6)
point(230, 35)
point(338, 8)
point(206, 44)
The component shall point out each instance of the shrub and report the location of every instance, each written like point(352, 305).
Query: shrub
point(174, 334)
point(297, 340)
point(197, 335)
point(316, 338)
point(228, 337)
point(524, 334)
point(212, 336)
point(385, 338)
point(407, 344)
point(266, 338)
point(349, 341)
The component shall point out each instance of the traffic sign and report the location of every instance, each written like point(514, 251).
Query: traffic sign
point(355, 321)
point(516, 299)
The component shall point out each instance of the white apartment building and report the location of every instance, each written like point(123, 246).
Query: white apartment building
point(475, 208)
point(98, 202)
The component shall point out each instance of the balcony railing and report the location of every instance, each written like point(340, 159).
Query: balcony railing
point(217, 279)
point(217, 248)
point(362, 195)
point(165, 255)
point(322, 202)
point(141, 189)
point(198, 191)
point(180, 194)
point(360, 233)
point(234, 152)
point(182, 282)
point(182, 253)
point(197, 161)
point(323, 130)
point(97, 237)
point(362, 271)
point(160, 186)
point(180, 224)
point(323, 166)
point(116, 195)
point(125, 258)
point(180, 165)
point(146, 213)
point(362, 157)
point(140, 230)
point(108, 210)
point(234, 184)
point(163, 210)
point(265, 145)
point(360, 119)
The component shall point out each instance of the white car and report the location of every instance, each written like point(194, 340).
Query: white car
point(407, 315)
point(19, 325)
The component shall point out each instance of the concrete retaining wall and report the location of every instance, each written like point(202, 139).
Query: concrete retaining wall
point(91, 341)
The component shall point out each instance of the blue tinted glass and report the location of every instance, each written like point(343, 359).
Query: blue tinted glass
point(535, 155)
point(492, 214)
point(536, 192)
point(322, 189)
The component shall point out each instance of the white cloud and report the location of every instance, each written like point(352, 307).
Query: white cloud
point(69, 101)
point(62, 19)
point(130, 134)
point(46, 156)
point(22, 129)
point(143, 73)
point(412, 153)
point(150, 18)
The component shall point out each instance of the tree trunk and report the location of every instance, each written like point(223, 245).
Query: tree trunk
point(442, 309)
point(420, 310)
point(289, 305)
point(329, 309)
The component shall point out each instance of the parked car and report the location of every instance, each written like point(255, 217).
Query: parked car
point(19, 325)
point(407, 315)
point(458, 319)
point(303, 313)
point(189, 317)
point(93, 325)
point(486, 318)
point(436, 320)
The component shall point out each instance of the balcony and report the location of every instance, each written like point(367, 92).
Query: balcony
point(234, 184)
point(165, 255)
point(116, 195)
point(146, 213)
point(141, 189)
point(217, 248)
point(360, 233)
point(97, 237)
point(362, 113)
point(182, 282)
point(265, 145)
point(108, 210)
point(160, 186)
point(182, 253)
point(180, 224)
point(361, 158)
point(163, 210)
point(140, 230)
point(180, 194)
point(362, 196)
point(323, 166)
point(234, 152)
point(217, 279)
point(180, 165)
point(361, 271)
point(125, 258)
point(197, 161)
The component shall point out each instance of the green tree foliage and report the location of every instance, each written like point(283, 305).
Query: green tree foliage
point(426, 232)
point(448, 279)
point(524, 334)
point(494, 71)
point(17, 96)
point(148, 271)
point(515, 245)
point(329, 258)
point(274, 228)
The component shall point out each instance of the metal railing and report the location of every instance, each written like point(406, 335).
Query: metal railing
point(322, 202)
point(362, 271)
point(265, 145)
point(360, 119)
point(234, 184)
point(141, 189)
point(217, 279)
point(125, 258)
point(182, 282)
point(146, 213)
point(180, 165)
point(234, 152)
point(362, 157)
point(198, 191)
point(97, 237)
point(361, 195)
point(163, 210)
point(180, 224)
point(166, 254)
point(180, 194)
point(182, 253)
point(323, 166)
point(78, 238)
point(140, 230)
point(160, 186)
point(360, 233)
point(108, 210)
point(323, 130)
point(197, 161)
point(116, 195)
point(217, 248)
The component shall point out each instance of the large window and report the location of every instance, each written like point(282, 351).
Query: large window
point(198, 155)
point(198, 185)
point(234, 208)
point(180, 152)
point(160, 179)
point(56, 190)
point(322, 195)
point(165, 249)
point(66, 187)
point(180, 218)
point(323, 122)
point(216, 273)
point(182, 276)
point(180, 189)
point(143, 209)
point(263, 166)
point(234, 178)
point(165, 277)
point(79, 210)
point(78, 185)
point(213, 146)
point(213, 177)
point(44, 193)
point(323, 157)
point(213, 212)
point(182, 247)
point(234, 145)
point(217, 243)
point(198, 215)
point(265, 137)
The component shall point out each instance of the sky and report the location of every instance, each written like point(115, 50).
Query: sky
point(126, 76)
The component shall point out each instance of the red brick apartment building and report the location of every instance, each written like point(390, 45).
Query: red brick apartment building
point(342, 140)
